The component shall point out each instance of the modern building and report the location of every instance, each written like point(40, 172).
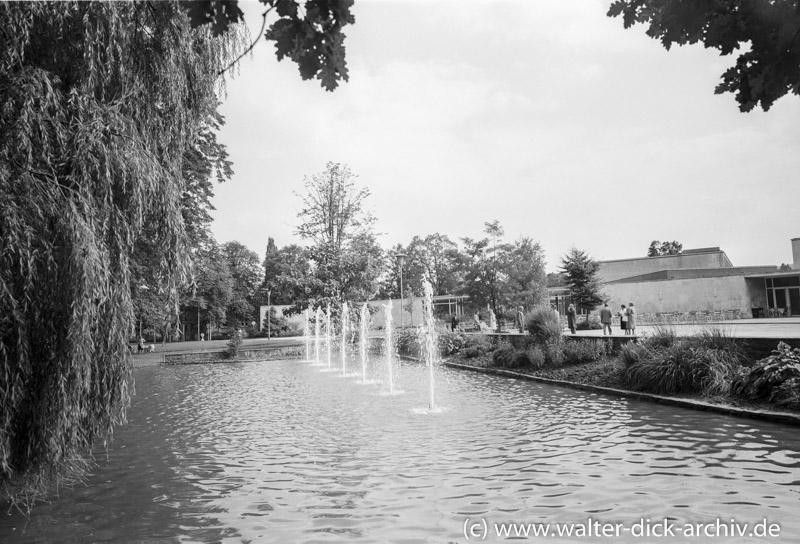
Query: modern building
point(700, 283)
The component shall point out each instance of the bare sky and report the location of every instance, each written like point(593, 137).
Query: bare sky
point(543, 114)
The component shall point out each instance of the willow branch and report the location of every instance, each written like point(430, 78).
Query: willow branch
point(252, 45)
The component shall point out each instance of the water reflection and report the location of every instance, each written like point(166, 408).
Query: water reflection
point(281, 452)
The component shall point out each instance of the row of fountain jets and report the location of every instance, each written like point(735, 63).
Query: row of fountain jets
point(428, 336)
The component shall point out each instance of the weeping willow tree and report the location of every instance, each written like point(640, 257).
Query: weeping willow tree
point(98, 104)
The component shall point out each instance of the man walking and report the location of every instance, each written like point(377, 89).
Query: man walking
point(605, 319)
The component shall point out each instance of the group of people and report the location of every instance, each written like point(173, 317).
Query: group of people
point(626, 315)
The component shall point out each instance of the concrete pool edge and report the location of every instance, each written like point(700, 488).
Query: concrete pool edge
point(764, 415)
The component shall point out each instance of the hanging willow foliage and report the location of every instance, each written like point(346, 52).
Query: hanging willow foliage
point(98, 103)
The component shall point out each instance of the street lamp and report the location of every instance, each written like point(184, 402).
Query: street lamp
point(269, 314)
point(401, 259)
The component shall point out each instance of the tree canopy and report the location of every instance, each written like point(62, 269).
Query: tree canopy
point(309, 33)
point(107, 122)
point(581, 274)
point(767, 32)
point(664, 248)
point(345, 260)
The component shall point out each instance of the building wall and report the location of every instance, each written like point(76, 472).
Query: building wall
point(298, 319)
point(796, 253)
point(757, 291)
point(625, 268)
point(411, 313)
point(687, 295)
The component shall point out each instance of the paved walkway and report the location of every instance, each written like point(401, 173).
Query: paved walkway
point(780, 327)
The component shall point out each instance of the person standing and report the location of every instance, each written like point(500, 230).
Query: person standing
point(521, 320)
point(631, 319)
point(605, 319)
point(453, 323)
point(571, 315)
point(623, 319)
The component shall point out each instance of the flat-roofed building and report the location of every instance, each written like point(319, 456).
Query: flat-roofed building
point(700, 284)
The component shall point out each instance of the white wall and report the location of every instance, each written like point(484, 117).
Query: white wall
point(685, 295)
point(411, 313)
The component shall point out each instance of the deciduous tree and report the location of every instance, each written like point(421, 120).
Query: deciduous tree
point(99, 102)
point(246, 273)
point(286, 273)
point(309, 33)
point(664, 248)
point(766, 32)
point(437, 259)
point(527, 281)
point(346, 261)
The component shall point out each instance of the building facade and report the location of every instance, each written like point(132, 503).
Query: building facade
point(702, 283)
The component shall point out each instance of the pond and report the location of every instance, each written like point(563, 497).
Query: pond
point(282, 451)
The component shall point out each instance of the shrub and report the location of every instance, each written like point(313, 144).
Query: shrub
point(593, 323)
point(543, 324)
point(536, 357)
point(450, 342)
point(584, 351)
point(502, 354)
point(631, 353)
point(476, 346)
point(234, 344)
point(686, 366)
point(716, 338)
point(666, 370)
point(407, 342)
point(554, 352)
point(662, 337)
point(775, 378)
point(520, 359)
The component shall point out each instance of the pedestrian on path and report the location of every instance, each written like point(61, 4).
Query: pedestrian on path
point(605, 319)
point(623, 319)
point(571, 314)
point(631, 311)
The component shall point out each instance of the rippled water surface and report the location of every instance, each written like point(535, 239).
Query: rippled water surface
point(284, 452)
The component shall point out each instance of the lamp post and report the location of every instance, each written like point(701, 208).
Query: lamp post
point(401, 259)
point(269, 314)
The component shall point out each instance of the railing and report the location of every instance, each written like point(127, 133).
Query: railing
point(693, 317)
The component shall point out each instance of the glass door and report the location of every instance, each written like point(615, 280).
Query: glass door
point(794, 301)
point(780, 300)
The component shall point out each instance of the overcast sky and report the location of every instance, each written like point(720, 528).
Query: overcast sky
point(546, 115)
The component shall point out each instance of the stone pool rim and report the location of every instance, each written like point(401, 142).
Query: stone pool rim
point(693, 404)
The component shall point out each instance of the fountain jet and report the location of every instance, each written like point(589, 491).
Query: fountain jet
point(364, 343)
point(318, 318)
point(344, 338)
point(328, 332)
point(430, 341)
point(387, 312)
